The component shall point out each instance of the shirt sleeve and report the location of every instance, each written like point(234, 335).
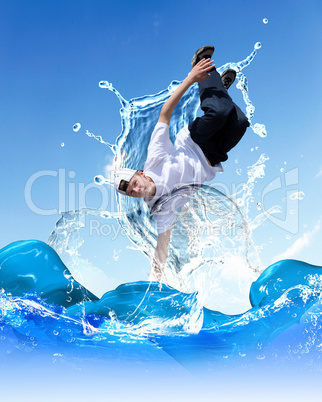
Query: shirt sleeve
point(165, 222)
point(167, 216)
point(160, 140)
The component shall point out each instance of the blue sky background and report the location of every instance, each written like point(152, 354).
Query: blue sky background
point(54, 53)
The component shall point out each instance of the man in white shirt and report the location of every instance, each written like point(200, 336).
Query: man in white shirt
point(171, 173)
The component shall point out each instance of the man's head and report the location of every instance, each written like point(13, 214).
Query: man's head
point(134, 183)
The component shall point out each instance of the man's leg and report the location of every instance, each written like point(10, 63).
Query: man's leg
point(228, 137)
point(217, 106)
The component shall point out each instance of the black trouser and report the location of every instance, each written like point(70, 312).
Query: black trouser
point(223, 124)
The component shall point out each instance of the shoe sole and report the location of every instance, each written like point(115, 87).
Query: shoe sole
point(202, 52)
point(229, 71)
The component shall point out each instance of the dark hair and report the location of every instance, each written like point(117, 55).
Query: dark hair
point(123, 185)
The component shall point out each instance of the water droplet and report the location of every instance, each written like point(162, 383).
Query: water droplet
point(292, 211)
point(62, 144)
point(298, 195)
point(239, 172)
point(76, 127)
point(100, 180)
point(250, 109)
point(104, 84)
point(259, 206)
point(260, 130)
point(265, 20)
point(288, 237)
point(252, 149)
point(105, 214)
point(282, 170)
point(240, 202)
point(258, 172)
point(236, 160)
point(258, 45)
point(285, 163)
point(116, 255)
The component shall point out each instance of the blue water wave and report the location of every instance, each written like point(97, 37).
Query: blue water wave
point(42, 304)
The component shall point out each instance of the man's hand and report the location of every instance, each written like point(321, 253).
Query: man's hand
point(201, 70)
point(199, 73)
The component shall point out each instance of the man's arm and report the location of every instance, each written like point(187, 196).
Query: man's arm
point(160, 256)
point(199, 73)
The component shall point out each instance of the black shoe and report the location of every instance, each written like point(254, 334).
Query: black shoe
point(205, 52)
point(228, 77)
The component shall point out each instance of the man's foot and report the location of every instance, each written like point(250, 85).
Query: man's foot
point(228, 77)
point(205, 52)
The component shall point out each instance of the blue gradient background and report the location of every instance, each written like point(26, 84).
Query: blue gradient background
point(54, 53)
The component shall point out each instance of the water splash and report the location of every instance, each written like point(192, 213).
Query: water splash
point(260, 130)
point(217, 229)
point(99, 139)
point(212, 234)
point(297, 195)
